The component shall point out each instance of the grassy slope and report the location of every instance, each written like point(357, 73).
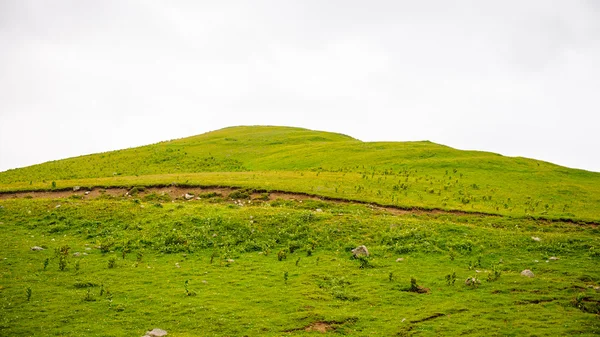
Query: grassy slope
point(405, 174)
point(251, 295)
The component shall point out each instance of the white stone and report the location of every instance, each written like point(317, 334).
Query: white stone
point(156, 333)
point(360, 251)
point(527, 273)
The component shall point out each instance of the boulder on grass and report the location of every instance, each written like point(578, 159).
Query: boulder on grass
point(155, 333)
point(360, 251)
point(527, 273)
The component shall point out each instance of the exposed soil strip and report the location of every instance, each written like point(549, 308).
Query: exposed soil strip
point(179, 191)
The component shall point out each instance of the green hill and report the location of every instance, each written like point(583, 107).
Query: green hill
point(202, 259)
point(402, 174)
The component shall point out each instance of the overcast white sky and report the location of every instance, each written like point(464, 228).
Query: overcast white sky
point(521, 78)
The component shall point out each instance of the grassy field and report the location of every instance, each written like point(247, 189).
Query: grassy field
point(119, 266)
point(449, 233)
point(408, 174)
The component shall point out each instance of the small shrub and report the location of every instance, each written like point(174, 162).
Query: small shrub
point(364, 262)
point(494, 274)
point(62, 262)
point(450, 279)
point(138, 256)
point(88, 296)
point(452, 254)
point(28, 293)
point(46, 262)
point(188, 292)
point(285, 277)
point(112, 262)
point(240, 194)
point(281, 255)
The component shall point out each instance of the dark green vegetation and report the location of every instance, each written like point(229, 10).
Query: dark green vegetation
point(239, 262)
point(409, 174)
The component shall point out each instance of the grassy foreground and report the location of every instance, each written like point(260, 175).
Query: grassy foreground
point(119, 266)
point(404, 174)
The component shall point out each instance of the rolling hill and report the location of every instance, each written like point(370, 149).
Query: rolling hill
point(254, 231)
point(400, 174)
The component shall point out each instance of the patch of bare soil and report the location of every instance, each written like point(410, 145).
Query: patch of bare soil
point(321, 327)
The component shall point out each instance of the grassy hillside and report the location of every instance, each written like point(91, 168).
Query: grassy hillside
point(119, 266)
point(169, 251)
point(403, 174)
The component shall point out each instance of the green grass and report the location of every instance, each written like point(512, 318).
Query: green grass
point(250, 296)
point(277, 267)
point(404, 174)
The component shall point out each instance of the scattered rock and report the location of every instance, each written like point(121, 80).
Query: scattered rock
point(318, 210)
point(527, 273)
point(177, 265)
point(57, 206)
point(156, 333)
point(88, 248)
point(76, 188)
point(553, 258)
point(36, 248)
point(204, 281)
point(87, 192)
point(77, 254)
point(400, 259)
point(472, 281)
point(230, 260)
point(188, 196)
point(535, 238)
point(360, 251)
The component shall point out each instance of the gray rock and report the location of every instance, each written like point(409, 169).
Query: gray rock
point(87, 192)
point(527, 273)
point(77, 254)
point(76, 188)
point(188, 196)
point(400, 259)
point(156, 333)
point(360, 251)
point(553, 258)
point(535, 238)
point(36, 248)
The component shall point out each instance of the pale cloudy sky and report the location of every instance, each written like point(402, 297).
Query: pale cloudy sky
point(521, 78)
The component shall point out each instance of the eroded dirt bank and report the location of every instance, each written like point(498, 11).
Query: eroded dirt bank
point(179, 193)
